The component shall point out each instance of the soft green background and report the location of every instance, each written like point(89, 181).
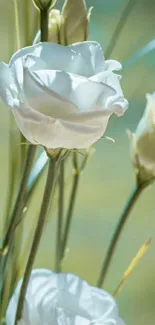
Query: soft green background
point(108, 178)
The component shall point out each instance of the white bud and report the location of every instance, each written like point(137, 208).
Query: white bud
point(74, 27)
point(54, 23)
point(54, 26)
point(143, 142)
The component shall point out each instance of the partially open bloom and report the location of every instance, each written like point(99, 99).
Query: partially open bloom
point(62, 96)
point(143, 141)
point(63, 298)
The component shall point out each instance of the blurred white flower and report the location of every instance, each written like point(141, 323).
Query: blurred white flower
point(143, 141)
point(62, 96)
point(63, 298)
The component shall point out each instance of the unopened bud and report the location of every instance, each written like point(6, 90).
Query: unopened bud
point(44, 4)
point(75, 20)
point(54, 26)
point(54, 23)
point(143, 142)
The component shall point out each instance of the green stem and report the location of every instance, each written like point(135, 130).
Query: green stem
point(126, 12)
point(138, 188)
point(20, 197)
point(60, 218)
point(17, 24)
point(13, 169)
point(70, 212)
point(49, 187)
point(17, 210)
point(26, 5)
point(44, 24)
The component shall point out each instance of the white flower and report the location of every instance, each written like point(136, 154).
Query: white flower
point(63, 299)
point(62, 96)
point(143, 141)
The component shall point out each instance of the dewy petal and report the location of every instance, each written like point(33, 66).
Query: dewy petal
point(63, 298)
point(8, 89)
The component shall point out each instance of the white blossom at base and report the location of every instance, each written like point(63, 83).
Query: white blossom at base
point(63, 299)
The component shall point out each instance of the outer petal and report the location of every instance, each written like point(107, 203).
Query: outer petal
point(84, 58)
point(63, 299)
point(116, 103)
point(77, 131)
point(42, 97)
point(8, 89)
point(90, 57)
point(112, 65)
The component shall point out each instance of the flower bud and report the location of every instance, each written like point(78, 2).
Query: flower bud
point(44, 4)
point(143, 142)
point(54, 23)
point(74, 27)
point(54, 26)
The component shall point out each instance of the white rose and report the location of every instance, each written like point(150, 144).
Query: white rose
point(62, 96)
point(63, 299)
point(143, 141)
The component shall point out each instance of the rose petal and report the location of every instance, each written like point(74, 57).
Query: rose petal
point(8, 89)
point(112, 65)
point(90, 58)
point(76, 131)
point(63, 299)
point(80, 91)
point(84, 58)
point(40, 96)
point(115, 102)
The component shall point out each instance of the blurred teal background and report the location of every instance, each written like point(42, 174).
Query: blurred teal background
point(108, 178)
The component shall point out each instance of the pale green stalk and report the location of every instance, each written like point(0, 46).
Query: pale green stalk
point(26, 5)
point(9, 236)
point(17, 24)
point(48, 193)
point(77, 170)
point(125, 14)
point(60, 217)
point(137, 190)
point(44, 24)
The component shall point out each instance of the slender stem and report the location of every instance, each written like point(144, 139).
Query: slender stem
point(20, 197)
point(44, 24)
point(26, 5)
point(9, 236)
point(49, 187)
point(60, 218)
point(126, 12)
point(13, 169)
point(122, 220)
point(70, 212)
point(16, 12)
